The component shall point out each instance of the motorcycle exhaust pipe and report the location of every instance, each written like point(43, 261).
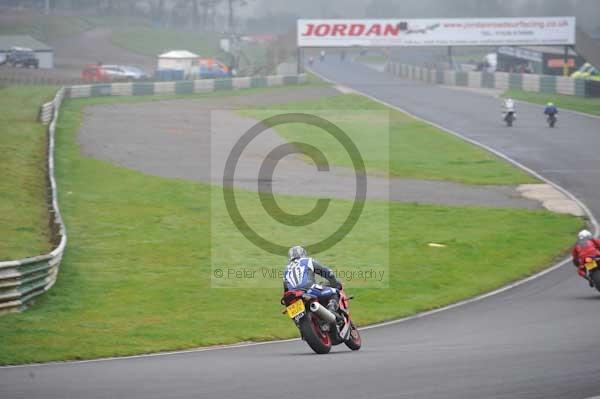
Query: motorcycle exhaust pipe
point(322, 312)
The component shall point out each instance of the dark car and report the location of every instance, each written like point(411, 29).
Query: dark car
point(22, 57)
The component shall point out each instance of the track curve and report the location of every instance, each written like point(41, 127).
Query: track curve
point(539, 340)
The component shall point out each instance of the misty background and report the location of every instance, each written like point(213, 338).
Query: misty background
point(261, 33)
point(279, 16)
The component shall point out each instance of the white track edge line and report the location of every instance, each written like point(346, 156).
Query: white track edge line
point(510, 286)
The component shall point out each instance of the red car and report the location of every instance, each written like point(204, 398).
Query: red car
point(94, 73)
point(112, 73)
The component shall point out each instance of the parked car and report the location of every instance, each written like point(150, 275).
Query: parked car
point(22, 57)
point(111, 73)
point(134, 73)
point(93, 73)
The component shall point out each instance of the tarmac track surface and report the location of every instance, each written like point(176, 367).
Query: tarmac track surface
point(538, 340)
point(192, 139)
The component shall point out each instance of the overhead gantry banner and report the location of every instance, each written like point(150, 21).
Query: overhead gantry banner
point(436, 32)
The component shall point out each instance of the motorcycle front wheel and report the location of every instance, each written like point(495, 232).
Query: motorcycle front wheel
point(318, 340)
point(595, 276)
point(354, 342)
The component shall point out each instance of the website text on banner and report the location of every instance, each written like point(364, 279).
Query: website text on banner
point(436, 32)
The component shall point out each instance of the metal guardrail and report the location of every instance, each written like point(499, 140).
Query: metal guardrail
point(23, 280)
point(46, 112)
point(497, 80)
point(180, 86)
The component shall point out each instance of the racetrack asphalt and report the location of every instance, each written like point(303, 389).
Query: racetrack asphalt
point(538, 340)
point(191, 139)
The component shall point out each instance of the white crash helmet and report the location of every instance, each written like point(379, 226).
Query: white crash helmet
point(584, 235)
point(297, 252)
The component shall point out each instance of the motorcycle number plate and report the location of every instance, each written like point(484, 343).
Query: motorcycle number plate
point(295, 308)
point(591, 265)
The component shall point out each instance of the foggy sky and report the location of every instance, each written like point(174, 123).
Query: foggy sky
point(586, 11)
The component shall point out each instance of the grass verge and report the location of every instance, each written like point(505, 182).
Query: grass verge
point(23, 212)
point(151, 42)
point(581, 104)
point(416, 149)
point(136, 274)
point(42, 27)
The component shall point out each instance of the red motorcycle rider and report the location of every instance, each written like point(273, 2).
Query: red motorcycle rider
point(586, 247)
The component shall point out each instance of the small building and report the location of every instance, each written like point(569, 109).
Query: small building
point(43, 52)
point(542, 60)
point(178, 60)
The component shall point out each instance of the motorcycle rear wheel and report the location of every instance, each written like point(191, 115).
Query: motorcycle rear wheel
point(319, 341)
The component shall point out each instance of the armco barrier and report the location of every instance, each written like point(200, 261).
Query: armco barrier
point(547, 84)
point(498, 80)
point(46, 112)
point(24, 279)
point(515, 81)
point(488, 80)
point(181, 87)
point(531, 82)
point(501, 80)
point(474, 79)
point(565, 85)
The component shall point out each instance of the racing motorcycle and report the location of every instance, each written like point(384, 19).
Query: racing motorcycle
point(319, 326)
point(593, 271)
point(551, 119)
point(509, 117)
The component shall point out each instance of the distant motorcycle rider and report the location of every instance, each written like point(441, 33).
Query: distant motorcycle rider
point(300, 274)
point(586, 247)
point(550, 109)
point(509, 105)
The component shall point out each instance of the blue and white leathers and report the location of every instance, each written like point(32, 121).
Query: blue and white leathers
point(299, 273)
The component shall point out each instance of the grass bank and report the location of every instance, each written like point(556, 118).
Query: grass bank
point(23, 213)
point(151, 42)
point(42, 27)
point(415, 149)
point(136, 276)
point(581, 104)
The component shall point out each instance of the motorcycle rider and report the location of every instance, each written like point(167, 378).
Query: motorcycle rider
point(586, 247)
point(550, 109)
point(300, 274)
point(509, 106)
